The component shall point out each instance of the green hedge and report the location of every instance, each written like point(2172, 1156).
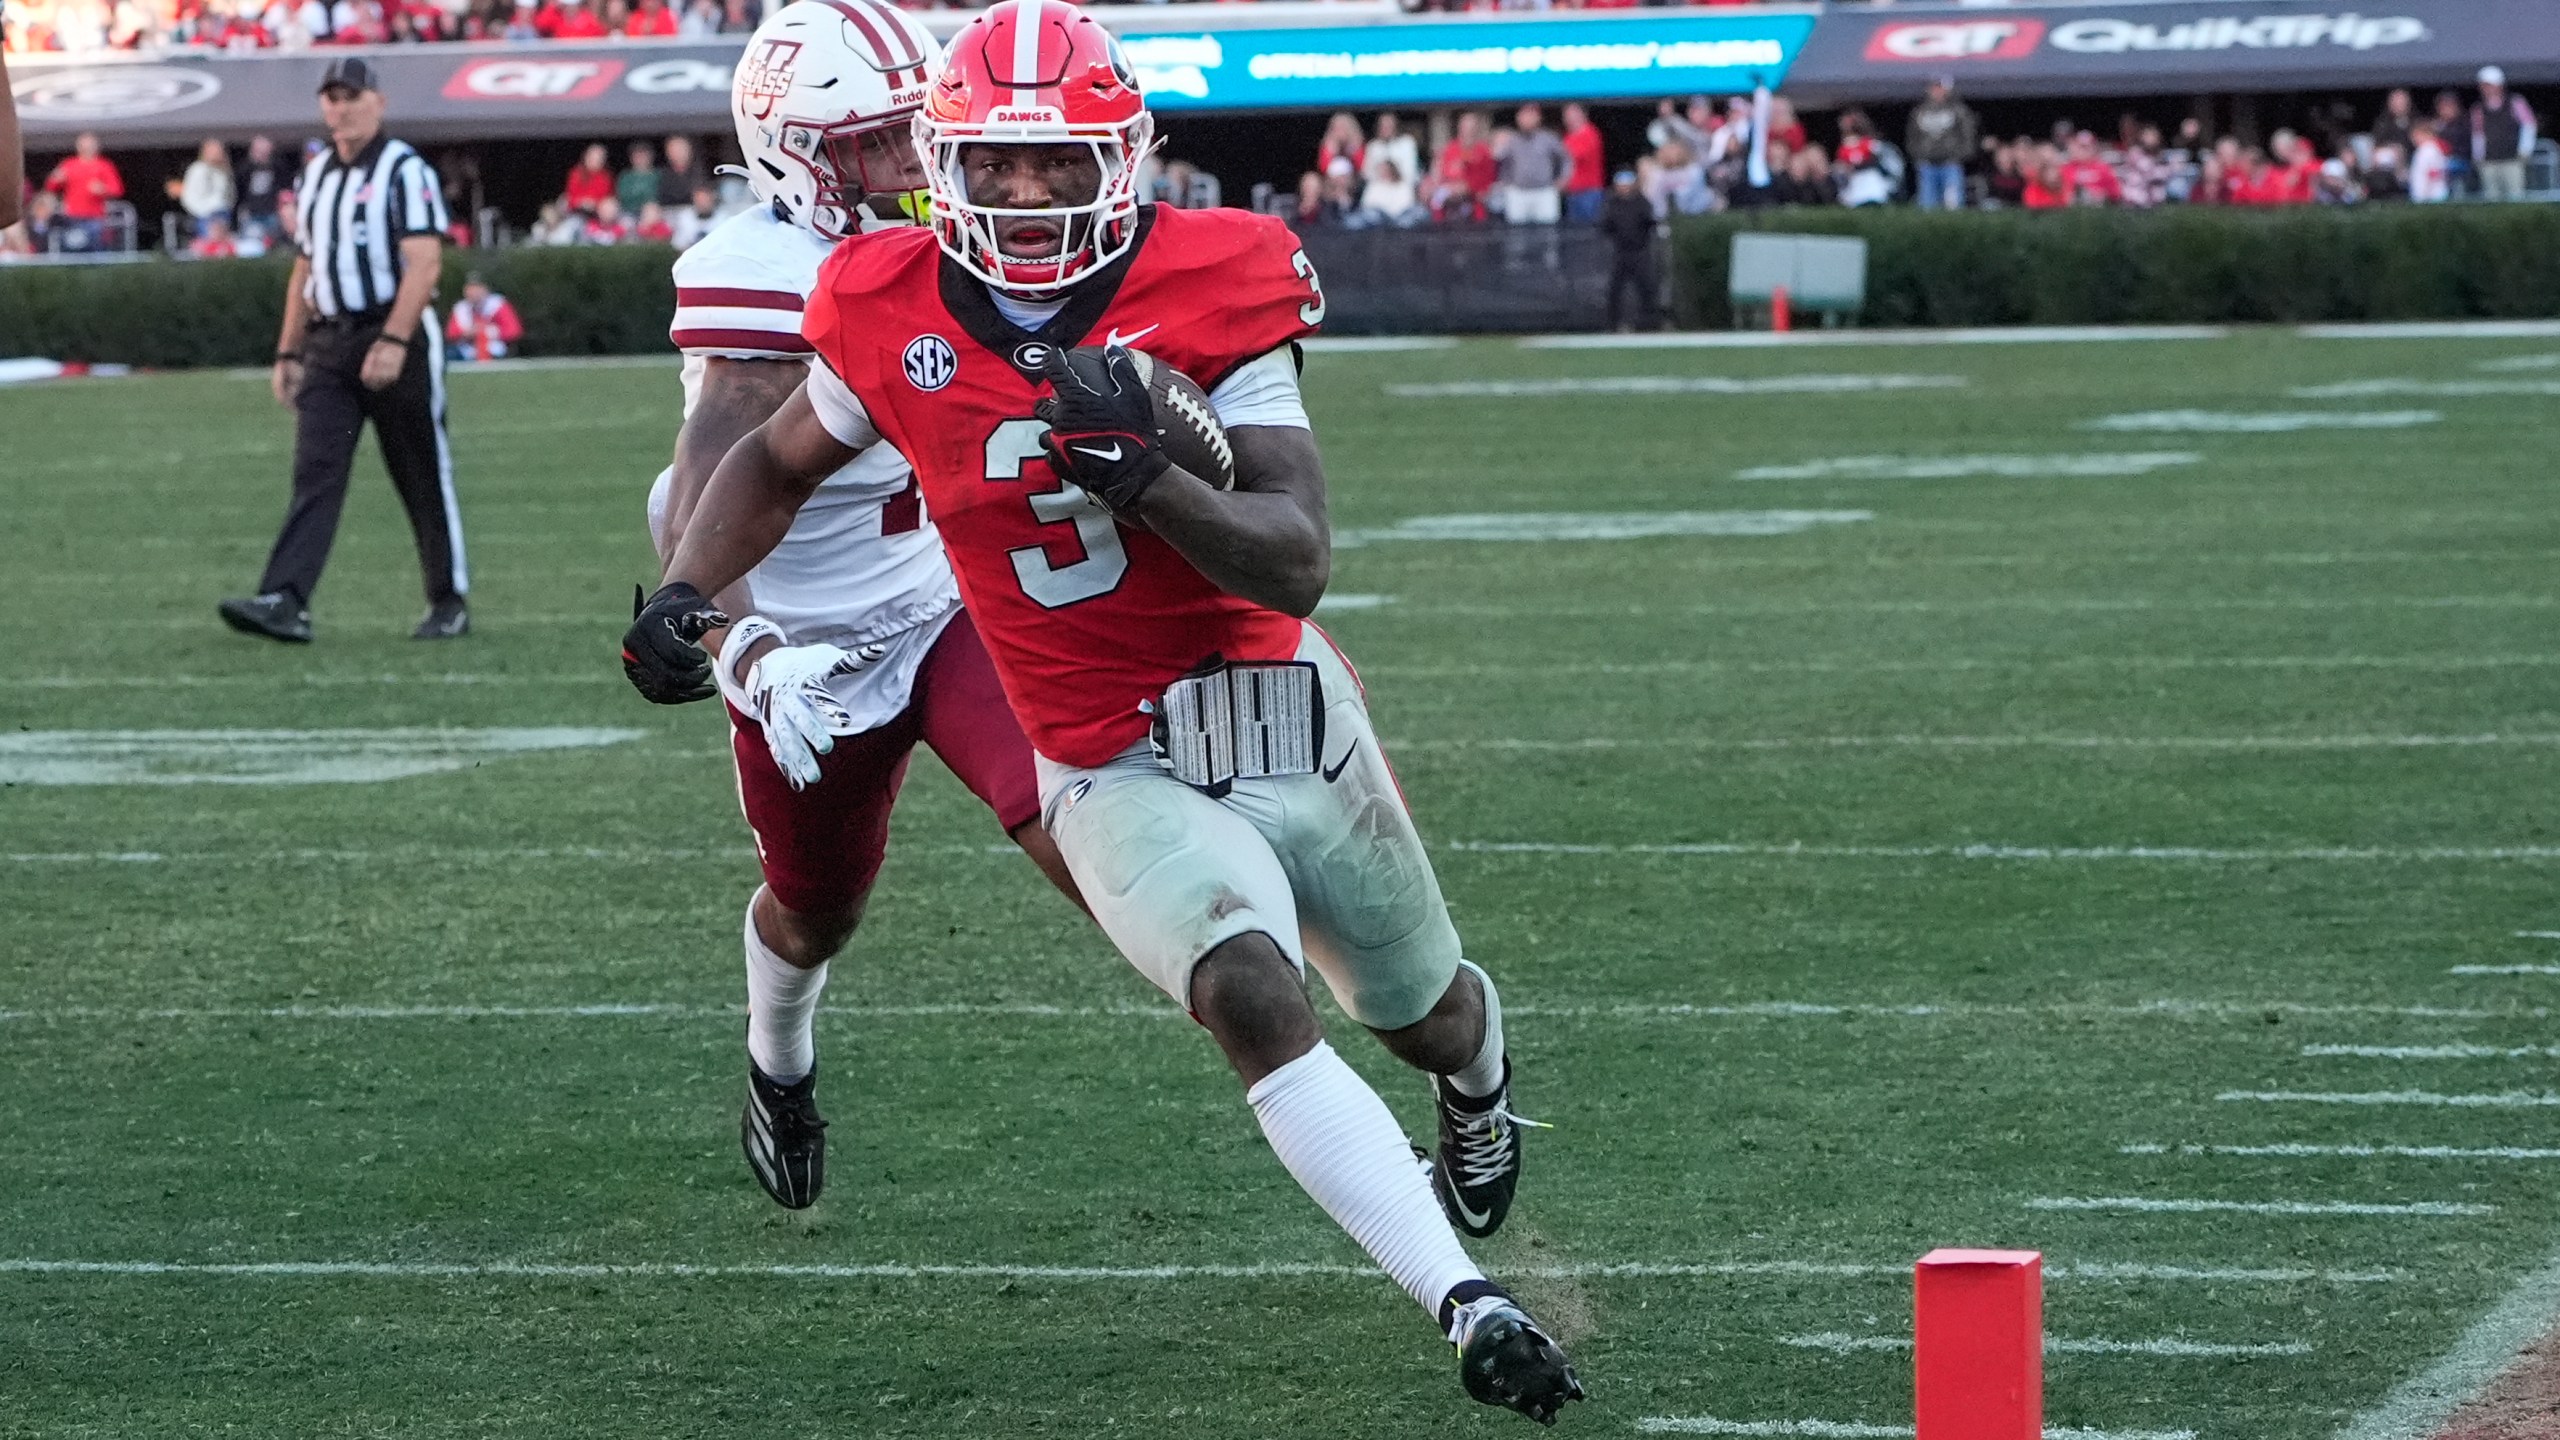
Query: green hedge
point(2177, 265)
point(175, 314)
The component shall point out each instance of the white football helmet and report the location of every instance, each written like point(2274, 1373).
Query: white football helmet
point(823, 101)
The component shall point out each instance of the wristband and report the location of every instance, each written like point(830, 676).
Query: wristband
point(392, 340)
point(743, 634)
point(295, 356)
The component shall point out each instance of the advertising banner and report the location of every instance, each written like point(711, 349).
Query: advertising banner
point(2175, 47)
point(442, 93)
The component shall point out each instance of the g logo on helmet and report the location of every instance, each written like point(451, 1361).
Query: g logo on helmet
point(930, 362)
point(765, 77)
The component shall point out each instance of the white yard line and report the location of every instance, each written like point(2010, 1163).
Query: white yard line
point(1852, 384)
point(2436, 1052)
point(2517, 364)
point(2432, 389)
point(2433, 330)
point(2008, 605)
point(2501, 1100)
point(1969, 467)
point(1853, 1430)
point(2140, 1204)
point(1541, 527)
point(1851, 339)
point(2160, 854)
point(2259, 422)
point(2538, 934)
point(1375, 344)
point(1839, 1343)
point(2504, 970)
point(2348, 1152)
point(2531, 739)
point(2418, 1406)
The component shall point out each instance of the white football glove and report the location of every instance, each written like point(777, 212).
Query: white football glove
point(785, 692)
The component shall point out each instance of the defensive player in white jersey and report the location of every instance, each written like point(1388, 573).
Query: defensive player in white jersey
point(851, 646)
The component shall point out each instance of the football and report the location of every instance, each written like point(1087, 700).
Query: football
point(1193, 438)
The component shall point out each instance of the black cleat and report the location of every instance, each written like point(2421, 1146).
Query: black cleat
point(785, 1140)
point(1478, 1166)
point(1505, 1359)
point(445, 620)
point(275, 615)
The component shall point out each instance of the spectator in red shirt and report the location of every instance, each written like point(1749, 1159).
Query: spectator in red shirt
point(2087, 179)
point(590, 184)
point(86, 182)
point(653, 228)
point(1586, 185)
point(650, 20)
point(2259, 183)
point(2297, 169)
point(568, 20)
point(2045, 189)
point(213, 242)
point(483, 327)
point(1462, 172)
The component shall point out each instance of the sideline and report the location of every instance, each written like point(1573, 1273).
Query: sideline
point(2418, 1406)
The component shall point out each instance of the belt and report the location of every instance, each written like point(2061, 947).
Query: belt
point(357, 321)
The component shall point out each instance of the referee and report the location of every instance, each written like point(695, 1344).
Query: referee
point(360, 342)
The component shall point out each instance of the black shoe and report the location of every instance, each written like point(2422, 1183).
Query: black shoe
point(446, 620)
point(785, 1140)
point(1504, 1358)
point(1478, 1166)
point(275, 615)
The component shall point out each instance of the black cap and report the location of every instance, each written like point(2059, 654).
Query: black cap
point(353, 72)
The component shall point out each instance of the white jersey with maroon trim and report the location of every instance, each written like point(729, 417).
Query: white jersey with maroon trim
point(862, 560)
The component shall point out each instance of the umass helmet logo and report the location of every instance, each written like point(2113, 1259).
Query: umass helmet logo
point(930, 362)
point(765, 77)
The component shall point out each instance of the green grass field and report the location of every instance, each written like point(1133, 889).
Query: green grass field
point(423, 1092)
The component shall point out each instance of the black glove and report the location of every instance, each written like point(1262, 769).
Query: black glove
point(658, 651)
point(1102, 427)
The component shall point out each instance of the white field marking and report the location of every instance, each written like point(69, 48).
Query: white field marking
point(1839, 1343)
point(2530, 739)
point(2419, 1406)
point(2516, 364)
point(1597, 1270)
point(2435, 1052)
point(2502, 1100)
point(2165, 854)
point(1535, 526)
point(2445, 389)
point(1853, 1430)
point(1349, 601)
point(1672, 385)
point(1818, 665)
point(1822, 339)
point(2504, 970)
point(2147, 1205)
point(272, 757)
point(1338, 601)
point(1964, 467)
point(1375, 344)
point(1631, 1013)
point(2010, 605)
point(2348, 1152)
point(2263, 422)
point(2433, 330)
point(2538, 934)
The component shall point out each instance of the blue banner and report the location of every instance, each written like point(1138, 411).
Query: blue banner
point(1467, 62)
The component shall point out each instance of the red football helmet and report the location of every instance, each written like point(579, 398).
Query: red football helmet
point(1035, 72)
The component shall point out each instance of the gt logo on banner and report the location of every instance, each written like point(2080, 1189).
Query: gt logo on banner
point(532, 80)
point(1957, 40)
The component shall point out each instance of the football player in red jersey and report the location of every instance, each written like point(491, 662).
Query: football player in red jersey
point(1206, 762)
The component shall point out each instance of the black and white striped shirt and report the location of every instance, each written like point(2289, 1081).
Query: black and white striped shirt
point(354, 214)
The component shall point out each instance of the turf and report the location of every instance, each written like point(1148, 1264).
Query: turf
point(1753, 1058)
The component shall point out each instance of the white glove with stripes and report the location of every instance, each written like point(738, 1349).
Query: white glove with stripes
point(785, 692)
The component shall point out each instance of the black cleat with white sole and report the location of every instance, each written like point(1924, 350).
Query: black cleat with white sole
point(785, 1138)
point(1478, 1165)
point(1503, 1357)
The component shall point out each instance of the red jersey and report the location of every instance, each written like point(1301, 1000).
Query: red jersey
point(1086, 619)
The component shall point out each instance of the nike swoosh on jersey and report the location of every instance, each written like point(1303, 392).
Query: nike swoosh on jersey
point(1103, 455)
point(1134, 336)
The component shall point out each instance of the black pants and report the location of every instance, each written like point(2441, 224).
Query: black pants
point(1632, 272)
point(408, 421)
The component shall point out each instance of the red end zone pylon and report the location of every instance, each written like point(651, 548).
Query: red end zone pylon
point(1978, 1344)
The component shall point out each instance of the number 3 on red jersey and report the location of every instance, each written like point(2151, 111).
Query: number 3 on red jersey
point(1056, 586)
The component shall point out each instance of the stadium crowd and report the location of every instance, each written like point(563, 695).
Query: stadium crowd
point(82, 26)
point(1702, 157)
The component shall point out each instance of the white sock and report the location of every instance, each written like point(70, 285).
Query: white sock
point(1336, 1137)
point(781, 1000)
point(1483, 1075)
